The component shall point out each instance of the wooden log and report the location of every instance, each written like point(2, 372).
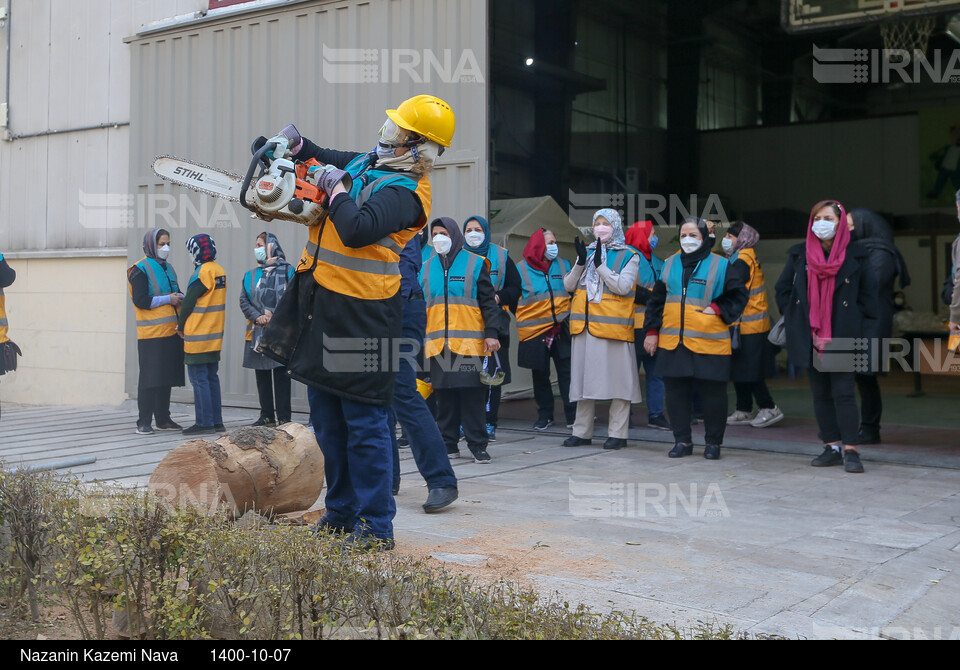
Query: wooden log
point(268, 470)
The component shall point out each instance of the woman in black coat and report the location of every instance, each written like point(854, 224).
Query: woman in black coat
point(828, 299)
point(886, 264)
point(7, 277)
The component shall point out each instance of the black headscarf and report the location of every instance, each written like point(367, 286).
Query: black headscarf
point(456, 239)
point(690, 260)
point(873, 232)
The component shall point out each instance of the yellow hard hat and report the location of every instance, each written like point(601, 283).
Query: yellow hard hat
point(424, 389)
point(426, 115)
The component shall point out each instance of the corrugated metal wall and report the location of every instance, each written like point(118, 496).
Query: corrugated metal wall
point(207, 89)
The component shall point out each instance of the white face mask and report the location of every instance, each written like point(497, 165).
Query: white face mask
point(551, 252)
point(825, 230)
point(602, 232)
point(474, 239)
point(727, 245)
point(163, 252)
point(690, 244)
point(442, 244)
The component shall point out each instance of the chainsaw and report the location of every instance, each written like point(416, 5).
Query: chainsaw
point(273, 187)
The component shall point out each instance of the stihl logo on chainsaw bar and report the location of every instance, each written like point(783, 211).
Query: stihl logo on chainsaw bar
point(188, 174)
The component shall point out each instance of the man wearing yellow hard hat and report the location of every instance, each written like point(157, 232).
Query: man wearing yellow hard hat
point(334, 330)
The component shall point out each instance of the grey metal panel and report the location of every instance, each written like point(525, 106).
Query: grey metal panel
point(205, 91)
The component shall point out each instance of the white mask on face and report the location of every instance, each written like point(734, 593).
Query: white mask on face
point(474, 238)
point(163, 252)
point(727, 245)
point(552, 251)
point(690, 244)
point(825, 230)
point(442, 244)
point(602, 232)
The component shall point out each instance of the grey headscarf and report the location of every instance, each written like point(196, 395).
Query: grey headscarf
point(591, 278)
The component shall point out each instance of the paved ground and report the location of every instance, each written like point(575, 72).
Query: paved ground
point(758, 540)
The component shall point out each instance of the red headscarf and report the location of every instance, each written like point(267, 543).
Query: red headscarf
point(822, 275)
point(638, 237)
point(534, 251)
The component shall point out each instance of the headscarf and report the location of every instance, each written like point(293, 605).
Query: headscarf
point(822, 275)
point(456, 239)
point(272, 285)
point(485, 245)
point(202, 248)
point(534, 252)
point(591, 278)
point(638, 237)
point(873, 232)
point(704, 250)
point(150, 243)
point(747, 238)
point(274, 252)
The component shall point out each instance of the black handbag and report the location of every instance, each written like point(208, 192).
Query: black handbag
point(9, 352)
point(280, 337)
point(735, 337)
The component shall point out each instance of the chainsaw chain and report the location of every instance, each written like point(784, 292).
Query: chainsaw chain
point(191, 186)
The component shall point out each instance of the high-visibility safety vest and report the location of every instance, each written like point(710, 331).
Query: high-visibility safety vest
point(3, 318)
point(425, 253)
point(203, 332)
point(162, 321)
point(613, 317)
point(250, 281)
point(371, 272)
point(498, 268)
point(755, 318)
point(544, 302)
point(647, 277)
point(683, 319)
point(453, 311)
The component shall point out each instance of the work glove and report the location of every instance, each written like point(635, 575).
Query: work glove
point(598, 255)
point(581, 251)
point(288, 143)
point(329, 177)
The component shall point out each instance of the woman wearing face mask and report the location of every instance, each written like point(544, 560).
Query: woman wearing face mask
point(642, 237)
point(886, 263)
point(754, 360)
point(688, 319)
point(462, 321)
point(543, 326)
point(826, 293)
point(601, 322)
point(261, 292)
point(156, 299)
point(506, 283)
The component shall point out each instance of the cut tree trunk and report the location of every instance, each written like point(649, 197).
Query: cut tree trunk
point(268, 470)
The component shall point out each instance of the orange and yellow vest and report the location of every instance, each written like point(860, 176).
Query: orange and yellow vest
point(613, 317)
point(162, 321)
point(647, 276)
point(371, 272)
point(544, 302)
point(453, 311)
point(3, 318)
point(203, 331)
point(683, 319)
point(755, 318)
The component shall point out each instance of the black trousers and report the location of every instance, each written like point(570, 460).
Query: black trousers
point(462, 407)
point(714, 398)
point(747, 391)
point(274, 385)
point(153, 403)
point(835, 406)
point(543, 390)
point(871, 403)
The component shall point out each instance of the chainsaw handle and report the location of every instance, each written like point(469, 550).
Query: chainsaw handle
point(257, 160)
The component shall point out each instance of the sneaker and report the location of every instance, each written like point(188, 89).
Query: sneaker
point(481, 456)
point(659, 422)
point(542, 424)
point(453, 454)
point(220, 428)
point(491, 433)
point(830, 456)
point(739, 418)
point(144, 430)
point(851, 461)
point(366, 544)
point(767, 417)
point(169, 425)
point(868, 436)
point(199, 430)
point(265, 421)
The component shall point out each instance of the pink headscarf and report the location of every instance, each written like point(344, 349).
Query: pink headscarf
point(822, 275)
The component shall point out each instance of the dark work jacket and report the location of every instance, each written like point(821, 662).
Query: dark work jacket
point(333, 342)
point(855, 309)
point(884, 263)
point(7, 274)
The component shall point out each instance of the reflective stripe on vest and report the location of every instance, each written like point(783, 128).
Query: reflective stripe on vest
point(647, 276)
point(250, 281)
point(756, 317)
point(613, 317)
point(3, 318)
point(371, 272)
point(203, 331)
point(453, 312)
point(162, 321)
point(543, 302)
point(683, 319)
